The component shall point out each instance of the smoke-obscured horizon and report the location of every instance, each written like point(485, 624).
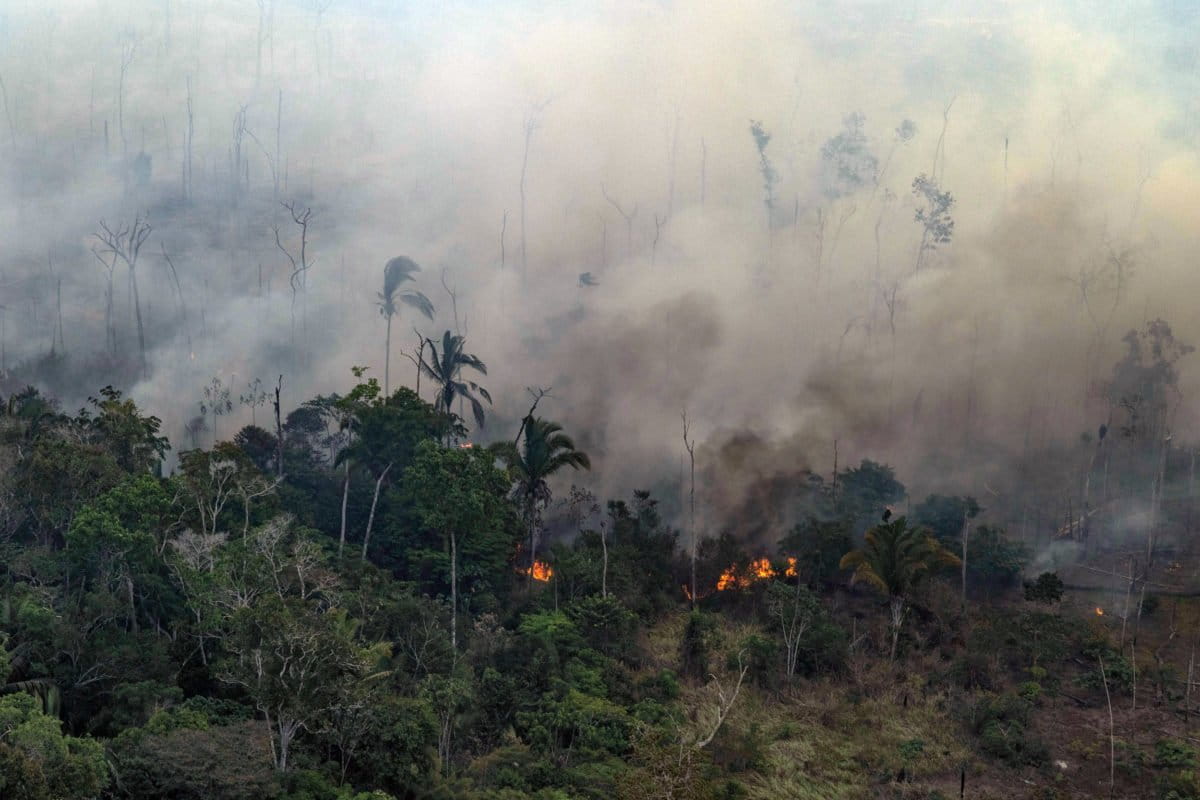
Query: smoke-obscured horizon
point(586, 182)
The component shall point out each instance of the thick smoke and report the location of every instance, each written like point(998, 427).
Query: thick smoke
point(586, 184)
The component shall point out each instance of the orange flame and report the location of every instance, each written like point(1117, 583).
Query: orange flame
point(541, 571)
point(728, 578)
point(757, 570)
point(1099, 611)
point(762, 569)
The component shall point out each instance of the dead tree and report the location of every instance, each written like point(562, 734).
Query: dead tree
point(12, 131)
point(503, 230)
point(179, 290)
point(278, 429)
point(110, 332)
point(128, 49)
point(939, 152)
point(530, 126)
point(189, 137)
point(724, 701)
point(298, 279)
point(627, 216)
point(690, 446)
point(124, 244)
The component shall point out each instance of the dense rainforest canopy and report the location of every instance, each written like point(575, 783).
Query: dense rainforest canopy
point(353, 606)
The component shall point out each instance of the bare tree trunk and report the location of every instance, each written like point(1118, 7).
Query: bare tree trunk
point(454, 593)
point(137, 308)
point(1125, 611)
point(897, 608)
point(604, 566)
point(690, 445)
point(966, 530)
point(1156, 501)
point(345, 497)
point(1112, 738)
point(278, 431)
point(1187, 691)
point(371, 517)
point(1190, 495)
point(387, 359)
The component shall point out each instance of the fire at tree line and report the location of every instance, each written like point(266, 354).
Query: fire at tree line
point(356, 600)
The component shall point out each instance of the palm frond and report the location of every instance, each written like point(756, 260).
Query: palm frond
point(477, 410)
point(397, 271)
point(418, 301)
point(472, 361)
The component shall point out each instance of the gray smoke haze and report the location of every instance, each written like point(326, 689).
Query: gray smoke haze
point(1067, 137)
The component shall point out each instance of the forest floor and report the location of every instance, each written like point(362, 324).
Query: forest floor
point(904, 730)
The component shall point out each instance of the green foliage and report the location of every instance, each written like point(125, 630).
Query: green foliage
point(944, 516)
point(641, 556)
point(1002, 724)
point(445, 368)
point(1046, 589)
point(700, 639)
point(818, 547)
point(184, 756)
point(1030, 692)
point(460, 493)
point(761, 655)
point(911, 750)
point(1174, 753)
point(1117, 672)
point(605, 624)
point(21, 777)
point(864, 492)
point(70, 767)
point(398, 745)
point(993, 559)
point(896, 558)
point(1181, 784)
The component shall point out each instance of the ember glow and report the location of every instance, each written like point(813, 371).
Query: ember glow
point(1099, 611)
point(540, 571)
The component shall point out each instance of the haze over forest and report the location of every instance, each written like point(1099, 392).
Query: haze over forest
point(1066, 138)
point(652, 400)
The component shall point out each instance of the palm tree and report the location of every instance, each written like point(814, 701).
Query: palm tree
point(395, 273)
point(444, 368)
point(895, 559)
point(545, 451)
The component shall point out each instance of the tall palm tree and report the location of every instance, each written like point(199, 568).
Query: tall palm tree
point(444, 367)
point(896, 559)
point(545, 450)
point(395, 273)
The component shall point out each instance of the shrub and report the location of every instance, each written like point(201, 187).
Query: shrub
point(1001, 724)
point(699, 639)
point(1030, 691)
point(1174, 753)
point(1047, 588)
point(1181, 785)
point(973, 671)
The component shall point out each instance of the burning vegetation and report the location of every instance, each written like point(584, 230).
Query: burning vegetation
point(540, 571)
point(759, 569)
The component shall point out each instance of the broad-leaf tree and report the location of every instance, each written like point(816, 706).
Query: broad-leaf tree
point(459, 494)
